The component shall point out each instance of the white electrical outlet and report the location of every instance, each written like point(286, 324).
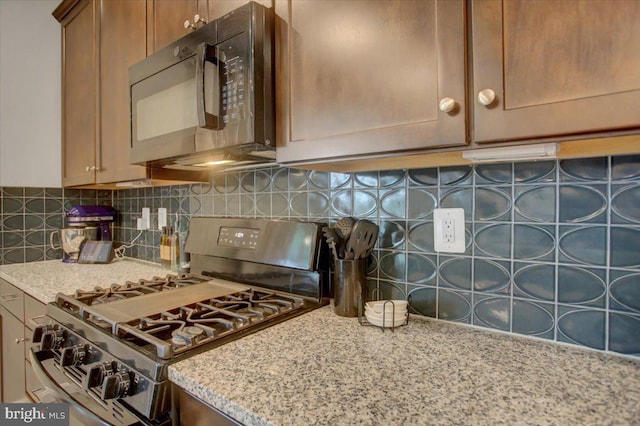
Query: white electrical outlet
point(162, 217)
point(146, 218)
point(448, 230)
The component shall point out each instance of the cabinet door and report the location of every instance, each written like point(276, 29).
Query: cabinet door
point(218, 8)
point(12, 298)
point(122, 43)
point(13, 379)
point(165, 20)
point(366, 77)
point(557, 67)
point(79, 94)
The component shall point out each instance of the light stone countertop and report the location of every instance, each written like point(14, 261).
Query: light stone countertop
point(321, 369)
point(43, 280)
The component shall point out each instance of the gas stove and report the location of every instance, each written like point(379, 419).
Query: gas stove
point(106, 349)
point(180, 312)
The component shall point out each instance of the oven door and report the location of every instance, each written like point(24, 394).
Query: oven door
point(83, 409)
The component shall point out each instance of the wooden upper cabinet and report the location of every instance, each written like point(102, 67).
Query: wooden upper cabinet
point(122, 43)
point(165, 20)
point(556, 67)
point(79, 93)
point(366, 77)
point(219, 8)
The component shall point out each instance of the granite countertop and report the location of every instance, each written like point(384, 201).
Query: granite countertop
point(321, 369)
point(43, 280)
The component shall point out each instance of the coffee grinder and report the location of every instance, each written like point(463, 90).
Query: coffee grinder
point(100, 217)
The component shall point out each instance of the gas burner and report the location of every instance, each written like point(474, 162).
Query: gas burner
point(257, 312)
point(184, 280)
point(104, 295)
point(186, 336)
point(129, 289)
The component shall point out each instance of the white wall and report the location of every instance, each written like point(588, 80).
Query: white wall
point(30, 150)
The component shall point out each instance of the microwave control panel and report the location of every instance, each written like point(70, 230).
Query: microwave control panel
point(235, 82)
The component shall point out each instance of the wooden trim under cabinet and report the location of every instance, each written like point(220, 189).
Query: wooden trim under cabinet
point(619, 145)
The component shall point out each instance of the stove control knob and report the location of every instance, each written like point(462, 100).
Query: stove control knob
point(52, 339)
point(39, 331)
point(116, 386)
point(97, 374)
point(73, 356)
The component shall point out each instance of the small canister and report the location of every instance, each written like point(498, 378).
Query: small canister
point(349, 285)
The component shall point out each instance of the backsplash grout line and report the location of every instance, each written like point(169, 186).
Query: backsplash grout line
point(556, 256)
point(608, 259)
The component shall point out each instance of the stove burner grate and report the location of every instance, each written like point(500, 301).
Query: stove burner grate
point(177, 330)
point(130, 289)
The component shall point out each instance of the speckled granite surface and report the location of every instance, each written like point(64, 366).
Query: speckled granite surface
point(43, 280)
point(321, 369)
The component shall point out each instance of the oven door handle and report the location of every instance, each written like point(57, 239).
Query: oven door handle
point(58, 392)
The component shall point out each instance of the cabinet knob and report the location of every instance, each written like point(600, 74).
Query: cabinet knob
point(486, 97)
point(447, 104)
point(198, 20)
point(188, 25)
point(22, 339)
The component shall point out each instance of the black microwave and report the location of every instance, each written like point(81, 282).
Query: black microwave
point(207, 98)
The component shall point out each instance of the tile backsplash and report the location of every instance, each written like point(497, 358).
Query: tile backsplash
point(552, 248)
point(28, 216)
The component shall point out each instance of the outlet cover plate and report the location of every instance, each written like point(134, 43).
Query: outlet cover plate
point(449, 230)
point(146, 218)
point(162, 217)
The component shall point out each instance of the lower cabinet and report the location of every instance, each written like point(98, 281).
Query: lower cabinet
point(13, 365)
point(20, 314)
point(194, 412)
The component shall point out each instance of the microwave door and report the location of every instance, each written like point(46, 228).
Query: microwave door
point(164, 116)
point(210, 81)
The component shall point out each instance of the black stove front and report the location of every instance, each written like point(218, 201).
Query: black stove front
point(106, 350)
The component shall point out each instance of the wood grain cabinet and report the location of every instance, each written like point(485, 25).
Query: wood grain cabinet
point(367, 77)
point(166, 18)
point(554, 67)
point(101, 39)
point(20, 314)
point(80, 63)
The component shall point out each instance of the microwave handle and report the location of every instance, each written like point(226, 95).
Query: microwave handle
point(209, 119)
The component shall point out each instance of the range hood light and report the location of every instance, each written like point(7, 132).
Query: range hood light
point(214, 163)
point(143, 183)
point(546, 151)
